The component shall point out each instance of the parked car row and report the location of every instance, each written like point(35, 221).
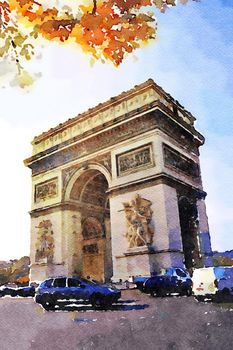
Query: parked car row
point(13, 290)
point(213, 282)
point(76, 289)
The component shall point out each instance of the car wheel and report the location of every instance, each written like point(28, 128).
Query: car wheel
point(153, 293)
point(200, 298)
point(48, 302)
point(189, 292)
point(223, 296)
point(226, 291)
point(140, 286)
point(98, 301)
point(161, 292)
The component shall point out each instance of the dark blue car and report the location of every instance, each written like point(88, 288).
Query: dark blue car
point(77, 289)
point(172, 280)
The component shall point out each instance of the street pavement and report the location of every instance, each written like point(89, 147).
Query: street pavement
point(138, 321)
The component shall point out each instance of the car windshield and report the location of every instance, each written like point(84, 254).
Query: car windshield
point(180, 273)
point(47, 283)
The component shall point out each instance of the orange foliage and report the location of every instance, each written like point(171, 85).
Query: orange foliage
point(23, 280)
point(109, 29)
point(4, 11)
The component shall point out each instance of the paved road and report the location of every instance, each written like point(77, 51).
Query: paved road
point(137, 322)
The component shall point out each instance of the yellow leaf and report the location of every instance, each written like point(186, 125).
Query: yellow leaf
point(25, 79)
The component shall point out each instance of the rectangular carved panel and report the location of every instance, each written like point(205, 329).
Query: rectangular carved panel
point(90, 249)
point(46, 190)
point(178, 162)
point(134, 160)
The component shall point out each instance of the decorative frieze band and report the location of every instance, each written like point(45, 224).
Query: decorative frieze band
point(131, 128)
point(98, 118)
point(179, 162)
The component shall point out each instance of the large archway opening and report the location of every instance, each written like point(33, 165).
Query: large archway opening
point(94, 245)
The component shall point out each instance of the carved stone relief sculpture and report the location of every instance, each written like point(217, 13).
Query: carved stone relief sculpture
point(44, 242)
point(134, 160)
point(138, 216)
point(46, 190)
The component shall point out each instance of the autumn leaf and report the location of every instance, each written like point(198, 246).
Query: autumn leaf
point(106, 30)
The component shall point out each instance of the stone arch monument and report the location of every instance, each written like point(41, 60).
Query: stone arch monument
point(117, 190)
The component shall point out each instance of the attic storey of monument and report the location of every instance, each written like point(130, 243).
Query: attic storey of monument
point(120, 186)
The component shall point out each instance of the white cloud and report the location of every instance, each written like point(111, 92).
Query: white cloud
point(15, 191)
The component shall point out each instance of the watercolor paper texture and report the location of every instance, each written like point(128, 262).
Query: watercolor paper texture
point(191, 58)
point(116, 152)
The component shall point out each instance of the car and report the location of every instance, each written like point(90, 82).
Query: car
point(8, 289)
point(168, 281)
point(225, 282)
point(214, 283)
point(26, 291)
point(139, 281)
point(13, 290)
point(52, 290)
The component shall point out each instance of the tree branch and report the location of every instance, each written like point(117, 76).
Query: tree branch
point(94, 7)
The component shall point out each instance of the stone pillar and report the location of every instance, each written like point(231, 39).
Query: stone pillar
point(108, 251)
point(126, 261)
point(204, 235)
point(71, 230)
point(167, 241)
point(166, 248)
point(118, 241)
point(44, 268)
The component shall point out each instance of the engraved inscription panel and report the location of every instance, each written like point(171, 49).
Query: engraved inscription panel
point(46, 190)
point(179, 162)
point(134, 160)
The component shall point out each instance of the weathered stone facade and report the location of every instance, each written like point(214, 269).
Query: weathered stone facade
point(117, 191)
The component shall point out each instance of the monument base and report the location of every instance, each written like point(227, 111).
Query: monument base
point(144, 261)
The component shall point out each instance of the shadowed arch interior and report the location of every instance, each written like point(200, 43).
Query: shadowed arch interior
point(90, 191)
point(91, 188)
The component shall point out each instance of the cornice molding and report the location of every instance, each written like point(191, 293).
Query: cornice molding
point(154, 118)
point(68, 205)
point(161, 178)
point(137, 89)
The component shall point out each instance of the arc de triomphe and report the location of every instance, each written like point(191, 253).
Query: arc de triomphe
point(117, 190)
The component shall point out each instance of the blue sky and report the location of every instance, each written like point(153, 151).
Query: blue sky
point(192, 59)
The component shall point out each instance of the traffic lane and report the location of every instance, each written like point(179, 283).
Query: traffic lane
point(26, 325)
point(163, 323)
